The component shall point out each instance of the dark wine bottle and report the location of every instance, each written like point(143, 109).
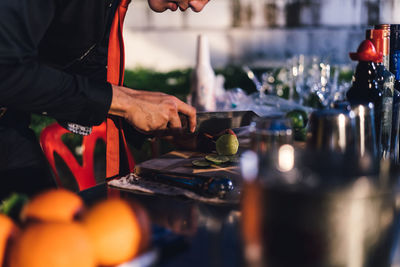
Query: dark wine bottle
point(394, 145)
point(395, 50)
point(394, 67)
point(385, 80)
point(365, 88)
point(385, 48)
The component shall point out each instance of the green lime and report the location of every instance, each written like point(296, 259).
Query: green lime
point(298, 117)
point(227, 145)
point(217, 159)
point(201, 163)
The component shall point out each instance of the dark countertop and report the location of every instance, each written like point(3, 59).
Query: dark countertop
point(189, 233)
point(185, 232)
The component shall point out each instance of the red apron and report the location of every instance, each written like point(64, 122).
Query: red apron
point(115, 75)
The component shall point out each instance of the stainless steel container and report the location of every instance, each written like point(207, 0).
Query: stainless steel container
point(332, 208)
point(350, 225)
point(331, 130)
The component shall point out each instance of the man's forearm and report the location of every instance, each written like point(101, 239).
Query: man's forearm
point(119, 101)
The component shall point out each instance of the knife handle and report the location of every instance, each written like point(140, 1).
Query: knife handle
point(211, 186)
point(185, 122)
point(187, 182)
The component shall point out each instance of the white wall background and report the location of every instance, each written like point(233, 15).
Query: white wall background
point(259, 33)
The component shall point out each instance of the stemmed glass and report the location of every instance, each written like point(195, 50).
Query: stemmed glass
point(322, 87)
point(323, 81)
point(305, 77)
point(251, 75)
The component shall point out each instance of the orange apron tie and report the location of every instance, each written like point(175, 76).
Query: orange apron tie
point(115, 75)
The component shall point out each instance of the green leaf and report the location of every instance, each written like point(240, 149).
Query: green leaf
point(13, 205)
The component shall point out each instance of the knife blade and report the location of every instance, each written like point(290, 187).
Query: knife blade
point(217, 121)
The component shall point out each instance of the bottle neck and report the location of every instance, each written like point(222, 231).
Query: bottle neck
point(366, 67)
point(395, 52)
point(203, 51)
point(365, 75)
point(381, 40)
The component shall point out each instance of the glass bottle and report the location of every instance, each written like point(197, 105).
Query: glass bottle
point(365, 88)
point(385, 81)
point(202, 95)
point(269, 164)
point(386, 43)
point(395, 51)
point(394, 67)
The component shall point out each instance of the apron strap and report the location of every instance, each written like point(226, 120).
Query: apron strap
point(115, 75)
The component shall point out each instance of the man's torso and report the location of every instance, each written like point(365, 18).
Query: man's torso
point(77, 38)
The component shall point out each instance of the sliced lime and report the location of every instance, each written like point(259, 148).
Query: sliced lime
point(201, 163)
point(217, 159)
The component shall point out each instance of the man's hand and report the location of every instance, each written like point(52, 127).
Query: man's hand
point(150, 111)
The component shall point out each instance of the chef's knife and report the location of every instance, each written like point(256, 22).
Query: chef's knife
point(217, 121)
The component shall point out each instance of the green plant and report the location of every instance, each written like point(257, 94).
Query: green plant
point(39, 122)
point(175, 82)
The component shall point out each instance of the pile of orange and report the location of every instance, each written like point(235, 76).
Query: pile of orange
point(57, 230)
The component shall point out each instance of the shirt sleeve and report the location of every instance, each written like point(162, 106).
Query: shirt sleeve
point(27, 84)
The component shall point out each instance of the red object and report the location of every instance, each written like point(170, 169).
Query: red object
point(377, 37)
point(110, 131)
point(115, 75)
point(50, 140)
point(366, 52)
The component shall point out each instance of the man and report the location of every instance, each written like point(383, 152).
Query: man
point(54, 60)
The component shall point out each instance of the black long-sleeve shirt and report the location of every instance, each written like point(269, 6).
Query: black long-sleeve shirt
point(53, 57)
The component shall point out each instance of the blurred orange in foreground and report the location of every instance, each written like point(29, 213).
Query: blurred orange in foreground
point(7, 231)
point(54, 205)
point(116, 231)
point(55, 244)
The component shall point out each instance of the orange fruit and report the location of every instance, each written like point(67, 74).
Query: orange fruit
point(55, 244)
point(8, 230)
point(115, 231)
point(56, 205)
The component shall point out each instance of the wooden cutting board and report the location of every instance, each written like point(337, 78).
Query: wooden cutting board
point(180, 163)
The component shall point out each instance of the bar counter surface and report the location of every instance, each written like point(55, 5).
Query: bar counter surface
point(184, 232)
point(187, 232)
